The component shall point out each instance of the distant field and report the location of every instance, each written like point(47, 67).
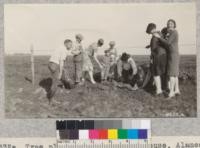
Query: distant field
point(100, 100)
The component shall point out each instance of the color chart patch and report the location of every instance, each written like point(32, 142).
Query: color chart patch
point(103, 129)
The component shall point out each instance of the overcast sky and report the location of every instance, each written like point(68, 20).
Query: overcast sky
point(46, 26)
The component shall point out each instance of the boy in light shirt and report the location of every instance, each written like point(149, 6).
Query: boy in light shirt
point(56, 64)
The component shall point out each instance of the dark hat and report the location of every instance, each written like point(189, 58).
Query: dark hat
point(125, 56)
point(100, 42)
point(150, 27)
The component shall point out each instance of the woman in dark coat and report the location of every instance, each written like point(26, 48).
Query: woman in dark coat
point(173, 57)
point(158, 57)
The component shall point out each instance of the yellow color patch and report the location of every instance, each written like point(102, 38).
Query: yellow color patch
point(112, 134)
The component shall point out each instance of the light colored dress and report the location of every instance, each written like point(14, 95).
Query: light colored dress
point(88, 56)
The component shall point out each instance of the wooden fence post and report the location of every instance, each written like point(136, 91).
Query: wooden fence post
point(32, 65)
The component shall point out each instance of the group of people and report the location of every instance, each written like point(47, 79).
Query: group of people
point(165, 58)
point(164, 61)
point(82, 59)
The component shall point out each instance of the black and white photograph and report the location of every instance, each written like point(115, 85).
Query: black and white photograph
point(126, 60)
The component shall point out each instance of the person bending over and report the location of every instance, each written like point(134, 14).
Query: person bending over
point(56, 64)
point(90, 56)
point(127, 70)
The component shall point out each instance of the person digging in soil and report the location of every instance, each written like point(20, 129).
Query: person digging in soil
point(127, 71)
point(56, 66)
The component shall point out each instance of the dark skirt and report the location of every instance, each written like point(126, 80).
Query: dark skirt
point(159, 64)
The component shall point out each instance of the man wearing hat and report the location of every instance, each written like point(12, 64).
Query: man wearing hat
point(78, 57)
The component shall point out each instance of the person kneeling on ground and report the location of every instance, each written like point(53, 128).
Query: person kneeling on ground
point(127, 70)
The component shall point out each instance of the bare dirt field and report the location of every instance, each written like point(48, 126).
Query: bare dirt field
point(23, 100)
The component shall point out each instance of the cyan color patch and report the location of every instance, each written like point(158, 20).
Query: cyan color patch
point(132, 134)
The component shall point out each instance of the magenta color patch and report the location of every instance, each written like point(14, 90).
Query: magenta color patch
point(93, 134)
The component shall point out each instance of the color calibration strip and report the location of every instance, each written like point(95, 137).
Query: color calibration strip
point(103, 129)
